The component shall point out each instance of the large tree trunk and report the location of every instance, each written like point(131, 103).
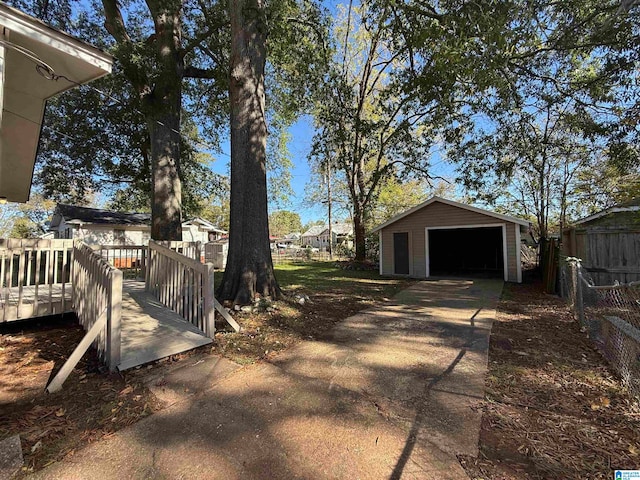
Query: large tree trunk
point(249, 269)
point(166, 198)
point(359, 233)
point(160, 92)
point(164, 105)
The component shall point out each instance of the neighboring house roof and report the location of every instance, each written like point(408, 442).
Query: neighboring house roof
point(314, 231)
point(38, 62)
point(293, 236)
point(204, 224)
point(623, 208)
point(75, 215)
point(464, 206)
point(339, 229)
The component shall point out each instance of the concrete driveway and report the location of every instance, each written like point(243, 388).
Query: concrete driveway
point(391, 394)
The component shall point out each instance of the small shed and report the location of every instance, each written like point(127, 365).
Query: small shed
point(441, 237)
point(608, 243)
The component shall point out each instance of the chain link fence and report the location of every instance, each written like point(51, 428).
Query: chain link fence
point(610, 314)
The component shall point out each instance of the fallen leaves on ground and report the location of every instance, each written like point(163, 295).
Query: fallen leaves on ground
point(553, 409)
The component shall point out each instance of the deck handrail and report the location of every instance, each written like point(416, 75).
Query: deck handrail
point(97, 298)
point(39, 264)
point(192, 250)
point(182, 284)
point(97, 289)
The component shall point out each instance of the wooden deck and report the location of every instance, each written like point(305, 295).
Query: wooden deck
point(37, 301)
point(127, 322)
point(151, 331)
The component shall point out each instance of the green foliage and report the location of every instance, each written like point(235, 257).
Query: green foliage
point(26, 220)
point(96, 142)
point(24, 228)
point(536, 94)
point(283, 222)
point(344, 250)
point(217, 213)
point(369, 128)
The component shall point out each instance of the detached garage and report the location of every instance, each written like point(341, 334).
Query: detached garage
point(445, 238)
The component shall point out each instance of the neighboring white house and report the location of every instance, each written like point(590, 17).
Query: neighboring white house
point(104, 227)
point(201, 230)
point(341, 234)
point(312, 236)
point(318, 235)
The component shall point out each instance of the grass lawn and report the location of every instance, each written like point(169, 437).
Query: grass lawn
point(323, 276)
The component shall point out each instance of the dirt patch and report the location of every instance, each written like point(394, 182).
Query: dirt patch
point(91, 405)
point(553, 409)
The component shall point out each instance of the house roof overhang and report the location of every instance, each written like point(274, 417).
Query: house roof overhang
point(28, 49)
point(500, 216)
point(203, 225)
point(608, 211)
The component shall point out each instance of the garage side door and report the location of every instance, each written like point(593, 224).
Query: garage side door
point(401, 253)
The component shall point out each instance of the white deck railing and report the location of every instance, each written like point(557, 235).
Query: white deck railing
point(97, 298)
point(194, 250)
point(182, 283)
point(34, 278)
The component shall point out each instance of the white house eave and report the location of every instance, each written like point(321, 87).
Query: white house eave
point(19, 22)
point(30, 50)
point(464, 206)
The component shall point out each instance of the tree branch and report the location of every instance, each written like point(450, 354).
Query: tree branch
point(196, 41)
point(114, 23)
point(195, 72)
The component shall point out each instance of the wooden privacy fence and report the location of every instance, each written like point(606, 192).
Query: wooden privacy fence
point(609, 254)
point(34, 275)
point(182, 284)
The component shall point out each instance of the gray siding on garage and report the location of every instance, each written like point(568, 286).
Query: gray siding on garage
point(440, 215)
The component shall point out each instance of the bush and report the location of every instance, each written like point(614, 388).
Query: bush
point(343, 250)
point(372, 247)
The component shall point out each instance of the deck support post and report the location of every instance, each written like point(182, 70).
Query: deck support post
point(209, 311)
point(114, 313)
